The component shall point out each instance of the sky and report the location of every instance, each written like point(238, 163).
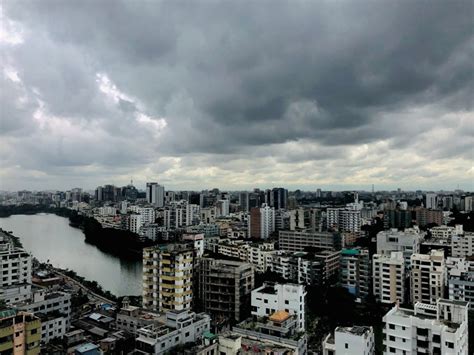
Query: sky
point(236, 95)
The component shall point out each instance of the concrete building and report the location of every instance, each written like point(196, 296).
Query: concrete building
point(180, 214)
point(131, 318)
point(297, 219)
point(262, 222)
point(155, 194)
point(446, 232)
point(408, 242)
point(461, 288)
point(53, 326)
point(177, 328)
point(20, 333)
point(135, 223)
point(463, 245)
point(167, 277)
point(223, 208)
point(431, 200)
point(280, 329)
point(259, 254)
point(388, 276)
point(224, 289)
point(427, 277)
point(344, 219)
point(428, 329)
point(244, 201)
point(298, 241)
point(271, 297)
point(355, 271)
point(349, 341)
point(425, 216)
point(15, 266)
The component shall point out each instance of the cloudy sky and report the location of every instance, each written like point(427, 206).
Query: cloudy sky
point(237, 95)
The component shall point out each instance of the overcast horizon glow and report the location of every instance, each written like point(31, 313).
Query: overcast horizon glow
point(237, 95)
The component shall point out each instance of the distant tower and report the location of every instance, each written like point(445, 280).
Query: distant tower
point(373, 188)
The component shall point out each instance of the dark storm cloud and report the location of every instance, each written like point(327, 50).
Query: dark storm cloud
point(243, 78)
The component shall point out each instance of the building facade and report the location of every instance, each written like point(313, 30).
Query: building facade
point(168, 277)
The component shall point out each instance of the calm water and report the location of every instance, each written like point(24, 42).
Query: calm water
point(48, 236)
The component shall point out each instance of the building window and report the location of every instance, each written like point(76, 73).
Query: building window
point(346, 346)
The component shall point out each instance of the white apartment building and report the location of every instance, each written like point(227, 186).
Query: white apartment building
point(279, 262)
point(180, 214)
point(148, 215)
point(271, 298)
point(350, 341)
point(223, 208)
point(439, 329)
point(427, 277)
point(446, 232)
point(388, 273)
point(344, 219)
point(46, 302)
point(259, 255)
point(107, 211)
point(177, 328)
point(431, 201)
point(463, 244)
point(15, 266)
point(135, 223)
point(53, 326)
point(456, 266)
point(267, 221)
point(408, 242)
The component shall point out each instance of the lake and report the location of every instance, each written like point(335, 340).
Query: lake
point(49, 237)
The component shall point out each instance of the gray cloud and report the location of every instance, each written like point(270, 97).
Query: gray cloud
point(242, 86)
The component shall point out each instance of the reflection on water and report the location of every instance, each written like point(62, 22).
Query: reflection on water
point(49, 237)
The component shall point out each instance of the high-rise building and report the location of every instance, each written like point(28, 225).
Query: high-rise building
point(431, 201)
point(262, 222)
point(356, 271)
point(427, 277)
point(167, 277)
point(223, 208)
point(224, 289)
point(388, 275)
point(397, 218)
point(270, 297)
point(280, 198)
point(344, 220)
point(244, 202)
point(155, 194)
point(20, 333)
point(427, 329)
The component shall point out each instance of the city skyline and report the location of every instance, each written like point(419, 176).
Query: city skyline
point(306, 95)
